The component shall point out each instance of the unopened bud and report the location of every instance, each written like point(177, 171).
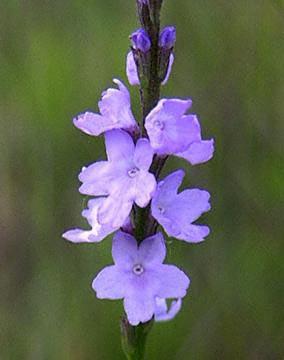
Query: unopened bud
point(140, 40)
point(167, 37)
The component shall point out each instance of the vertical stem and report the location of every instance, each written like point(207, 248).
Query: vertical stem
point(134, 337)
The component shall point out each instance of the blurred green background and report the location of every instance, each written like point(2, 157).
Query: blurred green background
point(55, 59)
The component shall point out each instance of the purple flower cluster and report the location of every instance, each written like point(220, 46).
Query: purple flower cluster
point(125, 179)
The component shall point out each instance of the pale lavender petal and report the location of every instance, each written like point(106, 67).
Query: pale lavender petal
point(167, 189)
point(97, 232)
point(198, 152)
point(91, 212)
point(98, 178)
point(171, 61)
point(139, 308)
point(167, 127)
point(173, 281)
point(94, 171)
point(131, 70)
point(115, 106)
point(132, 74)
point(190, 233)
point(77, 235)
point(162, 313)
point(152, 250)
point(114, 211)
point(143, 154)
point(144, 188)
point(119, 146)
point(191, 204)
point(110, 283)
point(124, 250)
point(186, 208)
point(92, 124)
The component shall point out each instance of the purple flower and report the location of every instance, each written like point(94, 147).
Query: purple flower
point(177, 211)
point(115, 113)
point(167, 37)
point(169, 130)
point(173, 133)
point(163, 313)
point(97, 232)
point(139, 276)
point(124, 178)
point(132, 74)
point(140, 40)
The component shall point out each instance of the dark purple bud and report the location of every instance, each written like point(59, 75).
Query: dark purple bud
point(167, 37)
point(140, 40)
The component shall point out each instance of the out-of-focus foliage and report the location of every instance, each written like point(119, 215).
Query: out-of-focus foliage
point(55, 59)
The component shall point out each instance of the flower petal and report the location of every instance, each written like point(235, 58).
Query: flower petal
point(119, 146)
point(131, 70)
point(171, 62)
point(143, 154)
point(173, 281)
point(139, 308)
point(198, 152)
point(191, 204)
point(144, 188)
point(115, 106)
point(98, 177)
point(167, 189)
point(132, 74)
point(114, 211)
point(98, 232)
point(190, 233)
point(124, 249)
point(77, 235)
point(91, 212)
point(109, 283)
point(152, 250)
point(92, 124)
point(162, 313)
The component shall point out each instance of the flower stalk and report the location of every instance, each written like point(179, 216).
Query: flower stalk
point(134, 337)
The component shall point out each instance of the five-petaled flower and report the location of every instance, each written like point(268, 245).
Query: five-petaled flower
point(176, 212)
point(140, 278)
point(124, 178)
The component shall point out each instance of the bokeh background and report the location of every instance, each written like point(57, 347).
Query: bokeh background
point(55, 59)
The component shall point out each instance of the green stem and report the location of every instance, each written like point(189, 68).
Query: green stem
point(134, 337)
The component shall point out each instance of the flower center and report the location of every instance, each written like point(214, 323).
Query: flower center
point(159, 124)
point(138, 269)
point(161, 209)
point(133, 172)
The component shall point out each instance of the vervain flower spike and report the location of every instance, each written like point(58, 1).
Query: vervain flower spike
point(129, 199)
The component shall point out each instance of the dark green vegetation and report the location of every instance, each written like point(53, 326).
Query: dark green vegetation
point(55, 59)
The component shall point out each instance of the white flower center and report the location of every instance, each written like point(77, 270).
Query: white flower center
point(133, 172)
point(138, 269)
point(159, 124)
